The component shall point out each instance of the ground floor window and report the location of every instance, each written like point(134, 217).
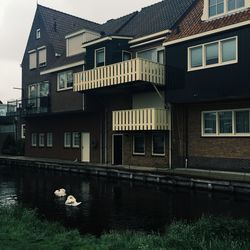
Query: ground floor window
point(49, 140)
point(226, 123)
point(41, 140)
point(76, 139)
point(158, 144)
point(34, 139)
point(139, 144)
point(67, 139)
point(23, 131)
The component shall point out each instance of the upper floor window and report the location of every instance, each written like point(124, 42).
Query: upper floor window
point(153, 55)
point(42, 56)
point(213, 54)
point(100, 57)
point(65, 80)
point(38, 34)
point(126, 55)
point(221, 7)
point(32, 59)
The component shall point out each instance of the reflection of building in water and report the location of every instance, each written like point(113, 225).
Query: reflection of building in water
point(85, 191)
point(8, 194)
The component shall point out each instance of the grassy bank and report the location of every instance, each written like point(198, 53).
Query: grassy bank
point(21, 229)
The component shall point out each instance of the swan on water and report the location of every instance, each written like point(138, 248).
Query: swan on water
point(71, 201)
point(60, 192)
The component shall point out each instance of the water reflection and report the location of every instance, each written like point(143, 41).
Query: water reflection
point(111, 204)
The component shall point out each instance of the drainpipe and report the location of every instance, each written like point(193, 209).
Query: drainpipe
point(106, 135)
point(186, 135)
point(170, 136)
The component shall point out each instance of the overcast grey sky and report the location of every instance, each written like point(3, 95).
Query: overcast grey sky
point(16, 19)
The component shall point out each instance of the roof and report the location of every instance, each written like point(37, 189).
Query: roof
point(192, 24)
point(59, 24)
point(157, 17)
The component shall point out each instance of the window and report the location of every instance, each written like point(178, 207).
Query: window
point(42, 57)
point(32, 60)
point(100, 57)
point(41, 140)
point(38, 34)
point(67, 140)
point(226, 123)
point(235, 4)
point(49, 140)
point(153, 55)
point(23, 131)
point(160, 56)
point(216, 7)
point(158, 144)
point(65, 80)
point(33, 140)
point(139, 144)
point(126, 55)
point(213, 54)
point(76, 139)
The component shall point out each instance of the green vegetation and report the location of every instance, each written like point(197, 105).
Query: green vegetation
point(21, 229)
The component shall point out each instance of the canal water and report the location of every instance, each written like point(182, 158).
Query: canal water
point(109, 204)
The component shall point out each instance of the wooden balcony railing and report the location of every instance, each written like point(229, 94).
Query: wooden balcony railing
point(140, 119)
point(124, 72)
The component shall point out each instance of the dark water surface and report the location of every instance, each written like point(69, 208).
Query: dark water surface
point(113, 204)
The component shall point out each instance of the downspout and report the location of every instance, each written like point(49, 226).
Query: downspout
point(186, 135)
point(170, 136)
point(106, 136)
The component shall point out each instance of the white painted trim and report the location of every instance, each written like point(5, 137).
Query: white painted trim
point(229, 27)
point(38, 33)
point(79, 32)
point(148, 42)
point(31, 51)
point(152, 147)
point(62, 67)
point(104, 49)
point(149, 36)
point(220, 62)
point(23, 126)
point(107, 38)
point(42, 47)
point(218, 134)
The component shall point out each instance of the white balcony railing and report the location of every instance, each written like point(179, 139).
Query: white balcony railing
point(140, 119)
point(124, 72)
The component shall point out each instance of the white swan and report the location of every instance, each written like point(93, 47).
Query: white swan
point(60, 192)
point(71, 201)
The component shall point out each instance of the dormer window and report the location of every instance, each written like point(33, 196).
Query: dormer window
point(218, 8)
point(38, 34)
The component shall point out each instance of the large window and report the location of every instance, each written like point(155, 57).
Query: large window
point(65, 80)
point(139, 144)
point(213, 54)
point(226, 123)
point(100, 57)
point(158, 144)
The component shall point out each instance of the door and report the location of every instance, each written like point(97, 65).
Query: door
point(117, 149)
point(85, 147)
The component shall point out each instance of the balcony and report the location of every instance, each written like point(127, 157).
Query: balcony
point(140, 119)
point(119, 73)
point(27, 107)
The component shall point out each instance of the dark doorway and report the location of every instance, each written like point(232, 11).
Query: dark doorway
point(117, 149)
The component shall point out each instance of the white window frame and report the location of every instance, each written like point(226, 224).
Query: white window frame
point(96, 50)
point(65, 140)
point(220, 63)
point(58, 78)
point(49, 143)
point(41, 144)
point(218, 134)
point(34, 139)
point(38, 33)
point(136, 153)
point(74, 145)
point(154, 154)
point(23, 128)
point(206, 16)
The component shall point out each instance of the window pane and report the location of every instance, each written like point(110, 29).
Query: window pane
point(212, 10)
point(159, 144)
point(196, 57)
point(220, 8)
point(216, 7)
point(49, 140)
point(150, 55)
point(242, 121)
point(160, 56)
point(76, 139)
point(228, 50)
point(212, 54)
point(126, 56)
point(44, 89)
point(139, 144)
point(225, 121)
point(235, 4)
point(209, 123)
point(69, 79)
point(231, 5)
point(67, 139)
point(240, 3)
point(100, 58)
point(62, 80)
